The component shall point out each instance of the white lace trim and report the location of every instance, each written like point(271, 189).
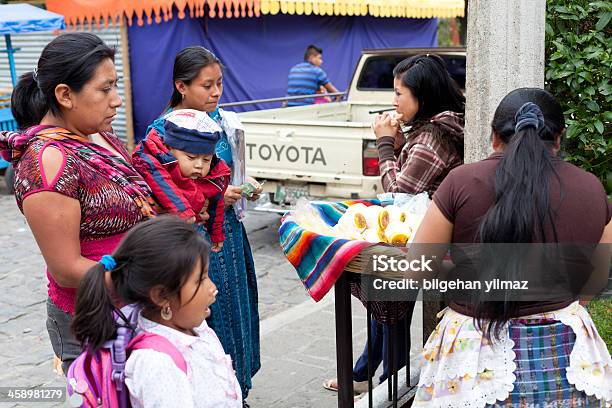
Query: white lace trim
point(463, 369)
point(590, 368)
point(471, 373)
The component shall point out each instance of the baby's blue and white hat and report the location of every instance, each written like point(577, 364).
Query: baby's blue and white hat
point(191, 131)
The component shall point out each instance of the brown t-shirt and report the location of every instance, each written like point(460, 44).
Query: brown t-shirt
point(580, 213)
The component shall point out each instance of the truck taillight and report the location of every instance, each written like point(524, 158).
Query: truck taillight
point(370, 159)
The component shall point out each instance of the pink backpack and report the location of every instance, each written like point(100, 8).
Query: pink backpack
point(98, 379)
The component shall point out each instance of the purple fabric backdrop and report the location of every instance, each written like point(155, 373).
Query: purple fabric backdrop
point(258, 53)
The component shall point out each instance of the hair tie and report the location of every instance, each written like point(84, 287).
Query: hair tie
point(108, 262)
point(35, 74)
point(529, 114)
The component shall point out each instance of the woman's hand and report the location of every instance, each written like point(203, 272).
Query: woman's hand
point(386, 124)
point(257, 192)
point(217, 246)
point(400, 139)
point(232, 194)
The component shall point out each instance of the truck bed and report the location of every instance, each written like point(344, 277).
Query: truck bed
point(326, 114)
point(317, 148)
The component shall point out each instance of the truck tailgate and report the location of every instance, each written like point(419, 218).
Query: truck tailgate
point(312, 151)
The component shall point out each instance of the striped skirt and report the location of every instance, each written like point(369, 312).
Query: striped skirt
point(542, 356)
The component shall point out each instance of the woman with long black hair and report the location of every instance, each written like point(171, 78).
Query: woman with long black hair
point(489, 351)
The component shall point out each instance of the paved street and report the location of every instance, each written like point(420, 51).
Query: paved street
point(297, 334)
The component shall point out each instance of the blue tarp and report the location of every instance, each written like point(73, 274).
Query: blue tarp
point(25, 18)
point(258, 53)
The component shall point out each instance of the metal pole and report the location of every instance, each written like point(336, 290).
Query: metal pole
point(10, 51)
point(390, 358)
point(281, 99)
point(393, 333)
point(344, 341)
point(370, 373)
point(127, 85)
point(407, 322)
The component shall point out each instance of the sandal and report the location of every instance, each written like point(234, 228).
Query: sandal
point(359, 387)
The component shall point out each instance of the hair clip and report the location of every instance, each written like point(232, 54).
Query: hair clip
point(529, 114)
point(108, 262)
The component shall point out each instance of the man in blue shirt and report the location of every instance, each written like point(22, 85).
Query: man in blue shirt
point(306, 78)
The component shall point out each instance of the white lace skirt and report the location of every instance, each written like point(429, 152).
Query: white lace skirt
point(461, 368)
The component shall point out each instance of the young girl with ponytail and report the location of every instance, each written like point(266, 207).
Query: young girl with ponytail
point(508, 352)
point(161, 267)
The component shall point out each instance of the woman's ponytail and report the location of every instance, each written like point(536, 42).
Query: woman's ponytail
point(28, 103)
point(521, 210)
point(529, 122)
point(94, 322)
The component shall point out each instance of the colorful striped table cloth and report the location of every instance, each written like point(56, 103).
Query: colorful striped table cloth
point(319, 259)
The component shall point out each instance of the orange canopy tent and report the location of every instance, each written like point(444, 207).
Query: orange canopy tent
point(96, 11)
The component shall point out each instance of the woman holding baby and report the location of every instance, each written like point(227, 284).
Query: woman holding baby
point(198, 85)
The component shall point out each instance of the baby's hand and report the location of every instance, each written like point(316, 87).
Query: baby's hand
point(204, 216)
point(217, 246)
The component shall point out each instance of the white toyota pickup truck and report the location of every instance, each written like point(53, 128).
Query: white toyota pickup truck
point(327, 151)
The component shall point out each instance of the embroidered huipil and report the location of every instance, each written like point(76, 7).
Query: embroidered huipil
point(111, 194)
point(154, 380)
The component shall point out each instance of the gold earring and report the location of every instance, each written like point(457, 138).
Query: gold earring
point(166, 313)
point(183, 96)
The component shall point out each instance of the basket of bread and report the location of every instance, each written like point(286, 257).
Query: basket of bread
point(388, 224)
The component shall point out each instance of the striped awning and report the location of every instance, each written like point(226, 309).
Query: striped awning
point(87, 12)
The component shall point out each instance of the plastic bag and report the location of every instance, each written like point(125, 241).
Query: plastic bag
point(307, 217)
point(413, 203)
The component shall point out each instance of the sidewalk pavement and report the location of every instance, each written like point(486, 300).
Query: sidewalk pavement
point(298, 349)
